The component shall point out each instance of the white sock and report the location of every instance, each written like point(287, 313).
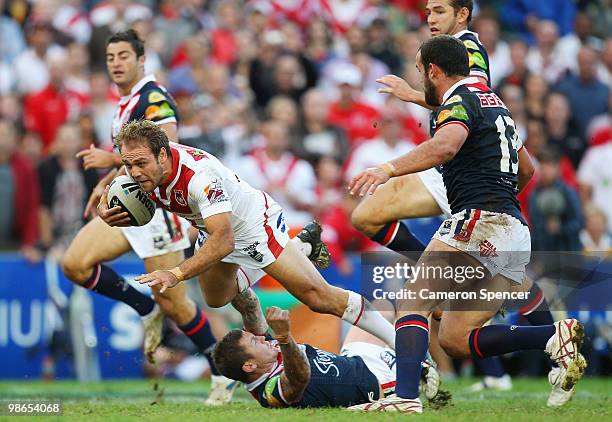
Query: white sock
point(304, 247)
point(360, 313)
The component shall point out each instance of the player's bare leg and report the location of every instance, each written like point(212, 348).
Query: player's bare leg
point(297, 274)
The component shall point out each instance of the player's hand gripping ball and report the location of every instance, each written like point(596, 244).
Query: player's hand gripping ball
point(124, 203)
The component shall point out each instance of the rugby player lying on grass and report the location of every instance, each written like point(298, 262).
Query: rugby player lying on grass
point(283, 373)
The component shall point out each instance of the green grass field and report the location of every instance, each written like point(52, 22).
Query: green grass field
point(119, 400)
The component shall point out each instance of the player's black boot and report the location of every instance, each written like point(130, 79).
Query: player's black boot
point(311, 233)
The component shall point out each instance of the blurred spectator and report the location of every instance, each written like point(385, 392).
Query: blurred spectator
point(77, 69)
point(500, 63)
point(189, 76)
point(587, 95)
point(330, 186)
point(30, 66)
point(11, 108)
point(545, 57)
point(557, 115)
point(514, 98)
point(47, 110)
point(606, 66)
point(355, 117)
point(283, 109)
point(381, 47)
point(19, 195)
point(193, 131)
point(317, 137)
point(554, 209)
point(536, 90)
point(595, 176)
point(518, 66)
point(65, 188)
point(102, 104)
point(71, 20)
point(223, 37)
point(287, 178)
point(525, 16)
point(571, 43)
point(154, 46)
point(319, 43)
point(595, 236)
point(32, 147)
point(10, 30)
point(388, 146)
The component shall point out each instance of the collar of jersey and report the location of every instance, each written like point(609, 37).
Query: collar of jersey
point(277, 368)
point(471, 80)
point(137, 87)
point(176, 162)
point(467, 31)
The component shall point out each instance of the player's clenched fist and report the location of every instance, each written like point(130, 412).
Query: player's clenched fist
point(368, 180)
point(278, 320)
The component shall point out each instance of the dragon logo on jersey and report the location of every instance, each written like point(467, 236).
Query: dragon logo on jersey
point(252, 251)
point(477, 59)
point(458, 112)
point(180, 198)
point(470, 44)
point(214, 191)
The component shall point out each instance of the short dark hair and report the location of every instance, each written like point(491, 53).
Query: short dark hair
point(229, 356)
point(143, 132)
point(459, 4)
point(129, 36)
point(448, 53)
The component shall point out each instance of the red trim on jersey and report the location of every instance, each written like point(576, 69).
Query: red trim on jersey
point(476, 348)
point(176, 158)
point(178, 235)
point(198, 326)
point(390, 235)
point(387, 385)
point(454, 122)
point(412, 323)
point(480, 86)
point(273, 244)
point(464, 236)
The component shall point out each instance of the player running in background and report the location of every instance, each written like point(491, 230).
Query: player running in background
point(423, 194)
point(239, 227)
point(161, 242)
point(282, 373)
point(476, 144)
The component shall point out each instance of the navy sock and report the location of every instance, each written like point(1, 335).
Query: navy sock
point(107, 282)
point(411, 341)
point(494, 340)
point(491, 367)
point(397, 237)
point(200, 333)
point(535, 308)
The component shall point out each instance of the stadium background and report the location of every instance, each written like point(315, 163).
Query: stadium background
point(310, 66)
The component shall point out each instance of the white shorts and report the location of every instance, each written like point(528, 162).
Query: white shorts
point(259, 245)
point(499, 241)
point(379, 360)
point(432, 179)
point(161, 235)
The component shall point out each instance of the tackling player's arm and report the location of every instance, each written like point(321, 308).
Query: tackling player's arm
point(526, 168)
point(296, 375)
point(444, 145)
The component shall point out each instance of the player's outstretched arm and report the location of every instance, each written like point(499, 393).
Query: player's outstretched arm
point(218, 245)
point(296, 375)
point(96, 158)
point(399, 88)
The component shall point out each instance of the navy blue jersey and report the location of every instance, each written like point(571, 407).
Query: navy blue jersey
point(148, 100)
point(484, 173)
point(335, 381)
point(479, 63)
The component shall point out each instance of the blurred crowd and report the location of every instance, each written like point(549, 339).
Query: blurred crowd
point(285, 92)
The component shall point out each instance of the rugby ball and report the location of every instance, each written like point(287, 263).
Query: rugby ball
point(127, 194)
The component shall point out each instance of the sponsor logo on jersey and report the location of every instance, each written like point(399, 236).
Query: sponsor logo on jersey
point(446, 227)
point(454, 99)
point(488, 249)
point(457, 112)
point(280, 223)
point(156, 97)
point(179, 197)
point(471, 45)
point(214, 192)
point(252, 251)
point(513, 327)
point(154, 112)
point(324, 362)
point(269, 392)
point(477, 59)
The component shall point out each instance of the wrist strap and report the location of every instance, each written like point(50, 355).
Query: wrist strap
point(177, 273)
point(388, 168)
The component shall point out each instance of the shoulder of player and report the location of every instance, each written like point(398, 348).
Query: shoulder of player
point(152, 93)
point(471, 41)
